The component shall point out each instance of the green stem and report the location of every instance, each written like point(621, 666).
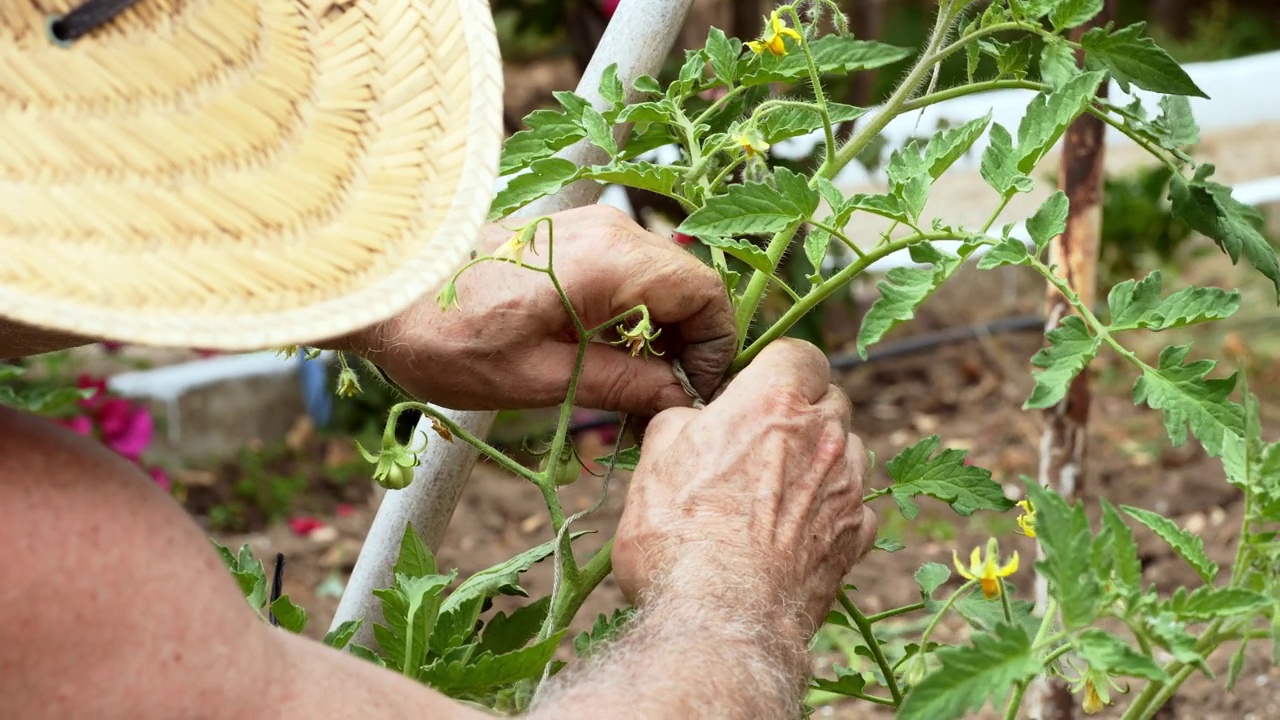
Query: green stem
point(817, 91)
point(715, 183)
point(820, 293)
point(871, 698)
point(864, 627)
point(1004, 602)
point(719, 103)
point(593, 573)
point(1138, 140)
point(934, 98)
point(924, 637)
point(759, 281)
point(459, 433)
point(840, 236)
point(873, 619)
point(1015, 702)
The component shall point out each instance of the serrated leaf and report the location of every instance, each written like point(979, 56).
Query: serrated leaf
point(1206, 603)
point(545, 177)
point(456, 627)
point(1049, 221)
point(1115, 553)
point(660, 179)
point(251, 577)
point(603, 630)
point(1176, 127)
point(1057, 64)
point(1000, 165)
point(548, 132)
point(366, 654)
point(1209, 209)
point(290, 617)
point(1048, 117)
point(969, 675)
point(505, 633)
point(1064, 536)
point(1067, 14)
point(490, 671)
point(1188, 545)
point(659, 111)
point(966, 488)
point(904, 289)
point(409, 612)
point(1172, 636)
point(1014, 58)
point(1133, 58)
point(1108, 653)
point(501, 578)
point(1189, 398)
point(611, 88)
point(1070, 349)
point(838, 54)
point(752, 255)
point(1137, 305)
point(1008, 252)
point(723, 52)
point(338, 637)
point(849, 683)
point(754, 208)
point(788, 121)
point(948, 146)
point(627, 460)
point(646, 84)
point(984, 614)
point(414, 560)
point(888, 545)
point(599, 131)
point(972, 53)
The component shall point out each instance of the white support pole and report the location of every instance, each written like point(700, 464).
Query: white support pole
point(638, 39)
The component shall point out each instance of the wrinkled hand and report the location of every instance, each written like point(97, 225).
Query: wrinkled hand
point(511, 345)
point(757, 498)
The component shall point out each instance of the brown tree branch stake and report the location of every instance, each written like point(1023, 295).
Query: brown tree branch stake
point(1063, 443)
point(638, 39)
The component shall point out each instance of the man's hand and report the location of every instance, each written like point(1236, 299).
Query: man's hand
point(756, 499)
point(511, 344)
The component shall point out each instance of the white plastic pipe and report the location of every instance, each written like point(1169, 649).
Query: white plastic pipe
point(638, 39)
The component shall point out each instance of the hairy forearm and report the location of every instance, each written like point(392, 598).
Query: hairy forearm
point(18, 340)
point(686, 659)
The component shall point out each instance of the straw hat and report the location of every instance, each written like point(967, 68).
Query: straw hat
point(240, 174)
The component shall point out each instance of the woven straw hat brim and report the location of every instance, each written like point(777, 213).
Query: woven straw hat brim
point(242, 174)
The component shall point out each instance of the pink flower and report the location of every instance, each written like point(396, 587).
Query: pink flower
point(126, 428)
point(304, 525)
point(682, 239)
point(80, 424)
point(344, 510)
point(161, 478)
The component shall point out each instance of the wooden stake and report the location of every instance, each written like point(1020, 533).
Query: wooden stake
point(1063, 446)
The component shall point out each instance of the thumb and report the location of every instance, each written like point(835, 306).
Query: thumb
point(614, 380)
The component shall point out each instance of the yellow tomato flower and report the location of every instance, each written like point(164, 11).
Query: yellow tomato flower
point(514, 248)
point(985, 570)
point(775, 30)
point(1093, 703)
point(751, 142)
point(1027, 520)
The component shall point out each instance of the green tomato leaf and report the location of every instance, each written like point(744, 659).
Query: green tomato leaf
point(646, 84)
point(1013, 59)
point(338, 637)
point(849, 683)
point(366, 654)
point(948, 146)
point(1137, 305)
point(605, 629)
point(660, 179)
point(1188, 545)
point(1209, 209)
point(930, 577)
point(1175, 127)
point(832, 54)
point(415, 560)
point(966, 488)
point(627, 460)
point(545, 177)
point(1067, 14)
point(1132, 58)
point(1207, 603)
point(1057, 63)
point(1188, 397)
point(548, 132)
point(1115, 552)
point(409, 612)
point(969, 675)
point(1048, 116)
point(1064, 535)
point(1108, 653)
point(1008, 252)
point(611, 88)
point(599, 131)
point(486, 670)
point(888, 545)
point(1049, 221)
point(1000, 165)
point(1172, 636)
point(723, 53)
point(788, 121)
point(972, 52)
point(754, 208)
point(659, 111)
point(290, 617)
point(456, 626)
point(501, 578)
point(752, 255)
point(505, 633)
point(1070, 349)
point(986, 615)
point(905, 289)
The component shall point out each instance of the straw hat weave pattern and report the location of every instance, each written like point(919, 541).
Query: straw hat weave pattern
point(240, 174)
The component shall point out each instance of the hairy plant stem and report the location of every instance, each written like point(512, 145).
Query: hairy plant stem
point(864, 627)
point(460, 433)
point(895, 612)
point(821, 97)
point(571, 598)
point(751, 297)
